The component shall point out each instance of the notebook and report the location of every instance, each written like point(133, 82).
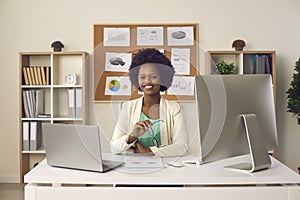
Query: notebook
point(76, 147)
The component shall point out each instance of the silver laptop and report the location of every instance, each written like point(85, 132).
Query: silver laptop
point(76, 147)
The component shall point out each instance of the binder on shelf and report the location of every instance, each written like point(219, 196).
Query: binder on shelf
point(260, 64)
point(25, 104)
point(48, 75)
point(35, 135)
point(39, 75)
point(78, 102)
point(39, 102)
point(25, 141)
point(43, 76)
point(36, 76)
point(25, 76)
point(32, 76)
point(29, 76)
point(248, 65)
point(268, 66)
point(71, 104)
point(29, 101)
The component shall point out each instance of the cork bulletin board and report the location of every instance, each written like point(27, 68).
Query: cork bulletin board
point(116, 44)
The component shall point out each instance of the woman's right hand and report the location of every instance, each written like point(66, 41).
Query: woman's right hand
point(140, 128)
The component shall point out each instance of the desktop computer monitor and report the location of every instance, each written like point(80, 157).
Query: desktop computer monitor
point(236, 117)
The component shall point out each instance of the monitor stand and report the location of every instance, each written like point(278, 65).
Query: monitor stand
point(258, 150)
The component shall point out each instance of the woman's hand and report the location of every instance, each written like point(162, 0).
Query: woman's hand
point(140, 149)
point(139, 129)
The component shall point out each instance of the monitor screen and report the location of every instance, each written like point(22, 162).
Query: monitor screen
point(223, 101)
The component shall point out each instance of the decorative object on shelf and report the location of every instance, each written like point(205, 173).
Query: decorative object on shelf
point(294, 93)
point(70, 78)
point(57, 46)
point(238, 45)
point(224, 68)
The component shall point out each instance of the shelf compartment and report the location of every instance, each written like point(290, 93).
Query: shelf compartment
point(63, 64)
point(236, 59)
point(31, 101)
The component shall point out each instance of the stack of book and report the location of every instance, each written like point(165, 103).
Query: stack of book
point(33, 102)
point(257, 64)
point(39, 75)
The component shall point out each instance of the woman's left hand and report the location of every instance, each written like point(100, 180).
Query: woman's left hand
point(140, 149)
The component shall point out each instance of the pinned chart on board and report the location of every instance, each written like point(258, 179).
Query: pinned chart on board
point(117, 62)
point(180, 36)
point(180, 59)
point(116, 37)
point(117, 85)
point(150, 36)
point(182, 85)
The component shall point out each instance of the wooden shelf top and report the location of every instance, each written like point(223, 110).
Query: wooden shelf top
point(37, 53)
point(239, 52)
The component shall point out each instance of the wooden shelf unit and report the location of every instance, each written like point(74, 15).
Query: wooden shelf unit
point(241, 62)
point(55, 97)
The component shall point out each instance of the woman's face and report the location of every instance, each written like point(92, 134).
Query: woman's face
point(149, 79)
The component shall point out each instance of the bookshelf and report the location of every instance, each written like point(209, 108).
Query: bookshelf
point(45, 97)
point(245, 62)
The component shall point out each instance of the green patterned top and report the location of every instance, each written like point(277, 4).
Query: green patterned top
point(152, 136)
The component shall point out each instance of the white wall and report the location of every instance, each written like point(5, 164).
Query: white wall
point(32, 25)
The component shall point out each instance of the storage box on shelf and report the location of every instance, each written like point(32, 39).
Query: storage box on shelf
point(46, 79)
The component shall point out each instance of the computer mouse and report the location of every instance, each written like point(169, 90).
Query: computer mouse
point(175, 164)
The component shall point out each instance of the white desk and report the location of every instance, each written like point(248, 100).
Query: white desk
point(210, 181)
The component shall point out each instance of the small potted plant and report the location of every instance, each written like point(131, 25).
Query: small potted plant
point(225, 68)
point(294, 93)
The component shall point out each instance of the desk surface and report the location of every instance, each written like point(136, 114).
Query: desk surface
point(190, 174)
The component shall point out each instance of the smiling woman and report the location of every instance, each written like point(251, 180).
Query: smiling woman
point(150, 124)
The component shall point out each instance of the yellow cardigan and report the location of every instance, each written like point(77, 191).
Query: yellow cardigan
point(173, 133)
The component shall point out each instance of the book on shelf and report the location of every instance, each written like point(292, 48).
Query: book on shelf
point(44, 115)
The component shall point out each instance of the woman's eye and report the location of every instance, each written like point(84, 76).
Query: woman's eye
point(142, 77)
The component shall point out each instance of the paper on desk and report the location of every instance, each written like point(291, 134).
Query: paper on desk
point(143, 162)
